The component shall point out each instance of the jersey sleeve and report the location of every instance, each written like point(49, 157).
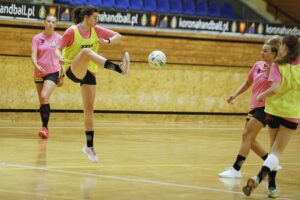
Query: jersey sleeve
point(35, 41)
point(104, 33)
point(275, 75)
point(67, 38)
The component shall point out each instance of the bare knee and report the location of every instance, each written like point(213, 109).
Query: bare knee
point(88, 109)
point(44, 97)
point(248, 135)
point(86, 52)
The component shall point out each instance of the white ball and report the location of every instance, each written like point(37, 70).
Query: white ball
point(157, 59)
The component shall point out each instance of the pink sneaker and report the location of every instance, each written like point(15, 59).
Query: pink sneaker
point(44, 133)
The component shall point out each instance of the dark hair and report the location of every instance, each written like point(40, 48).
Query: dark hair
point(79, 13)
point(274, 43)
point(292, 44)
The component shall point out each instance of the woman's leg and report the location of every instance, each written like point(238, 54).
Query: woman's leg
point(39, 87)
point(251, 130)
point(44, 91)
point(257, 148)
point(248, 139)
point(88, 97)
point(272, 189)
point(88, 93)
point(281, 141)
point(80, 63)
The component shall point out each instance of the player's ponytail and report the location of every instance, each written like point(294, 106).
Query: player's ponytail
point(79, 13)
point(292, 44)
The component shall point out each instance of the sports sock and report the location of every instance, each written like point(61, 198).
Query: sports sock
point(239, 162)
point(89, 138)
point(45, 114)
point(263, 172)
point(112, 66)
point(272, 177)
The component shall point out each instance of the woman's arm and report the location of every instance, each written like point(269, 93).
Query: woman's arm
point(269, 92)
point(244, 87)
point(115, 37)
point(34, 61)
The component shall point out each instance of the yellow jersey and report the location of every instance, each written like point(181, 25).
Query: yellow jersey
point(79, 43)
point(286, 102)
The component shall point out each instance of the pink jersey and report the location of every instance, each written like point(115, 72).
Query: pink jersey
point(259, 78)
point(45, 47)
point(275, 76)
point(68, 36)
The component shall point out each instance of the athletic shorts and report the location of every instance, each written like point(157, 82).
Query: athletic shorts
point(88, 79)
point(275, 122)
point(259, 114)
point(54, 77)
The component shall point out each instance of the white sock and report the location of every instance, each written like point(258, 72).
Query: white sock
point(271, 162)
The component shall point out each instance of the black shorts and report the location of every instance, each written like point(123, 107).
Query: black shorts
point(88, 79)
point(54, 77)
point(259, 114)
point(275, 122)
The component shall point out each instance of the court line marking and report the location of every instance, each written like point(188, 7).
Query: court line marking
point(133, 128)
point(135, 180)
point(36, 194)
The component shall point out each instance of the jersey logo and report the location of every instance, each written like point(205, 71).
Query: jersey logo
point(54, 43)
point(86, 46)
point(258, 71)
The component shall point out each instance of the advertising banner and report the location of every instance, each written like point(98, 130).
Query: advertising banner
point(27, 11)
point(147, 19)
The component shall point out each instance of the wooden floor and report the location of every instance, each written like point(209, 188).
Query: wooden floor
point(141, 160)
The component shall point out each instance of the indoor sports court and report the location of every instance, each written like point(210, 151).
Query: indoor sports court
point(160, 132)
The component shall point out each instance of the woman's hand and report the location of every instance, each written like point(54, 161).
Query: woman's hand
point(61, 60)
point(40, 69)
point(260, 97)
point(104, 41)
point(61, 81)
point(230, 98)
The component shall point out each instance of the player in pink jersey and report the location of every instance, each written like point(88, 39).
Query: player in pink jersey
point(258, 79)
point(46, 68)
point(282, 108)
point(79, 56)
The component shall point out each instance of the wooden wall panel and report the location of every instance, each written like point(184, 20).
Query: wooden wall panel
point(17, 41)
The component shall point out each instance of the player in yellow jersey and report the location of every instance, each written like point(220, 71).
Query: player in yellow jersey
point(79, 45)
point(282, 107)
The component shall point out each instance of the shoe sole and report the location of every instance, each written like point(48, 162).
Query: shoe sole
point(236, 177)
point(273, 196)
point(249, 187)
point(43, 135)
point(85, 152)
point(127, 61)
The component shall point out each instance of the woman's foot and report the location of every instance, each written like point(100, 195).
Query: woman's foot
point(44, 133)
point(90, 152)
point(252, 183)
point(125, 64)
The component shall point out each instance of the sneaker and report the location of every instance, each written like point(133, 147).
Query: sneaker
point(90, 152)
point(125, 64)
point(273, 193)
point(230, 173)
point(278, 168)
point(252, 183)
point(44, 133)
